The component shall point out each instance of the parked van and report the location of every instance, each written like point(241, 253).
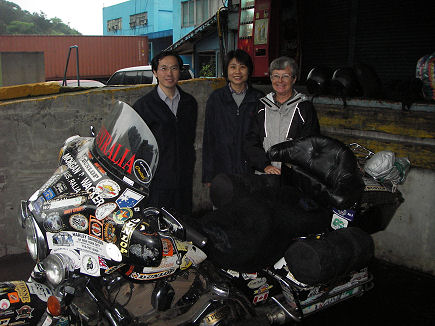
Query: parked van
point(142, 75)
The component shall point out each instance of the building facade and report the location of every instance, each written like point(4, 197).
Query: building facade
point(152, 18)
point(196, 34)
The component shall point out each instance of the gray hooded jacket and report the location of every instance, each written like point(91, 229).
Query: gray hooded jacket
point(273, 124)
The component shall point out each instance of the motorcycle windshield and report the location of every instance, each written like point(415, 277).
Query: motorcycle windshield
point(127, 147)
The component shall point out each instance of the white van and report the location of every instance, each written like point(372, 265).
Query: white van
point(142, 75)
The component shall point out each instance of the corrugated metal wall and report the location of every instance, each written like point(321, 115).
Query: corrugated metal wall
point(99, 56)
point(389, 35)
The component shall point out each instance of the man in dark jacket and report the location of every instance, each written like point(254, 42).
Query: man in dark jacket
point(227, 116)
point(171, 115)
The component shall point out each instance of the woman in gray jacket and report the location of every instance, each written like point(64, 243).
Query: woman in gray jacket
point(283, 114)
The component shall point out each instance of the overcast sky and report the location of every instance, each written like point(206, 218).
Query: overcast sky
point(86, 16)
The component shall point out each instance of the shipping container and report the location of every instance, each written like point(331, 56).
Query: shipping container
point(99, 56)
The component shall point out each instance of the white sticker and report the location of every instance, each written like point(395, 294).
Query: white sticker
point(79, 241)
point(256, 283)
point(42, 291)
point(54, 204)
point(104, 210)
point(233, 273)
point(89, 264)
point(90, 169)
point(108, 188)
point(4, 304)
point(195, 255)
point(249, 276)
point(338, 222)
point(280, 263)
point(128, 180)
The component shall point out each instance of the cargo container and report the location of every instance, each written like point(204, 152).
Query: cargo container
point(99, 56)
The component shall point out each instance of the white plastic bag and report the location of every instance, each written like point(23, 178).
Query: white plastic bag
point(384, 166)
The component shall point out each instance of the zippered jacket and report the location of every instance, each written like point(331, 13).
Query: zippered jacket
point(274, 124)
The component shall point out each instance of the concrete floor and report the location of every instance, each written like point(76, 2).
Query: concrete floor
point(401, 297)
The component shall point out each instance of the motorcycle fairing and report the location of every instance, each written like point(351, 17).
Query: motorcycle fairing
point(89, 203)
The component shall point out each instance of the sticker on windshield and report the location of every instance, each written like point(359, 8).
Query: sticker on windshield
point(90, 169)
point(104, 210)
point(129, 198)
point(108, 188)
point(142, 171)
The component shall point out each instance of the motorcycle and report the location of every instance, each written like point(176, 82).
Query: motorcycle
point(104, 258)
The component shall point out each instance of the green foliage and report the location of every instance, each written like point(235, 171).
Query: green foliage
point(14, 20)
point(207, 70)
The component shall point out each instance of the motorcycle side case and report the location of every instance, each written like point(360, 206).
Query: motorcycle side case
point(300, 300)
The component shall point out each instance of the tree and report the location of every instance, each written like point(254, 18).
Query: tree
point(17, 27)
point(14, 20)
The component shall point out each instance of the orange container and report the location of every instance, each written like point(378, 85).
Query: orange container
point(99, 56)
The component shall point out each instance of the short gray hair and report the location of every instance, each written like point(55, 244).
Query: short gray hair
point(283, 62)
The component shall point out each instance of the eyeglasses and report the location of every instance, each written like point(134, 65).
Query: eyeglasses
point(166, 68)
point(285, 77)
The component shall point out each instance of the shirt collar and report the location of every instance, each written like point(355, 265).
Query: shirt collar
point(163, 96)
point(234, 92)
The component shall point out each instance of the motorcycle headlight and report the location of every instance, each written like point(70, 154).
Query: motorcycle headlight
point(35, 239)
point(56, 268)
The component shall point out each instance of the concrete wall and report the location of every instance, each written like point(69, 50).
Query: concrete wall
point(21, 68)
point(32, 131)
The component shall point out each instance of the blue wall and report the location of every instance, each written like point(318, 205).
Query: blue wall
point(159, 16)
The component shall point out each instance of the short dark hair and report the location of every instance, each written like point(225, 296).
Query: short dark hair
point(163, 54)
point(242, 57)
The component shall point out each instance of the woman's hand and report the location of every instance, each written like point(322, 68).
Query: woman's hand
point(270, 169)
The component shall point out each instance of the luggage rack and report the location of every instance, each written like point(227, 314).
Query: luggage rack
point(362, 153)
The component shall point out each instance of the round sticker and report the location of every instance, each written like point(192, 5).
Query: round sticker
point(122, 215)
point(90, 265)
point(78, 222)
point(142, 171)
point(4, 304)
point(108, 188)
point(104, 210)
point(53, 222)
